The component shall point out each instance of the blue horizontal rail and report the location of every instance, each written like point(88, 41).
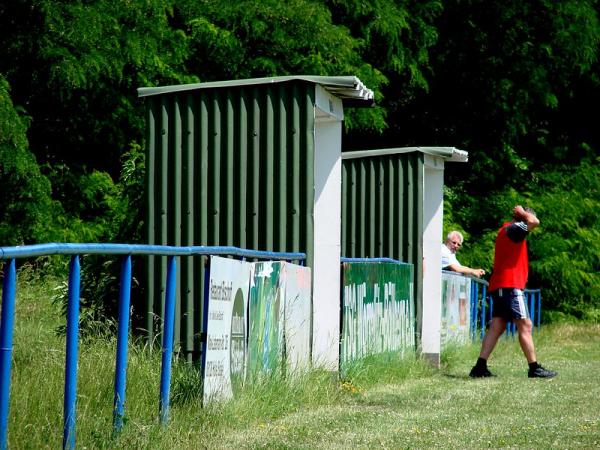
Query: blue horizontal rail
point(382, 259)
point(127, 250)
point(27, 251)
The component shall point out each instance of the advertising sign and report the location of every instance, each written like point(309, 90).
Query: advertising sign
point(297, 281)
point(456, 292)
point(224, 364)
point(265, 340)
point(377, 309)
point(259, 318)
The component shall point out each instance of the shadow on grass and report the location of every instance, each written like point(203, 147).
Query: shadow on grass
point(457, 376)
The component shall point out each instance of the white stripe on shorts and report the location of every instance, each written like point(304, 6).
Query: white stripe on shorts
point(522, 307)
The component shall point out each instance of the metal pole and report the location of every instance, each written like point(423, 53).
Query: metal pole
point(122, 342)
point(476, 310)
point(483, 312)
point(71, 357)
point(206, 296)
point(167, 345)
point(531, 296)
point(471, 309)
point(484, 297)
point(539, 308)
point(6, 336)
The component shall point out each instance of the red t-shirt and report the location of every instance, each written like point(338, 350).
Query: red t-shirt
point(511, 263)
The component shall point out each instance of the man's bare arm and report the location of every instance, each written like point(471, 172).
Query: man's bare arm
point(466, 270)
point(530, 219)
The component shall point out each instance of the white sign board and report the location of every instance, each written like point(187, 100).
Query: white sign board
point(225, 356)
point(297, 281)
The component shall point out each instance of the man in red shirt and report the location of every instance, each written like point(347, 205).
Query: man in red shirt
point(506, 289)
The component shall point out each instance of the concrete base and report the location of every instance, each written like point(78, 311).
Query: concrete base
point(432, 358)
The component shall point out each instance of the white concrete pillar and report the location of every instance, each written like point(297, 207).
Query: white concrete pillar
point(327, 230)
point(433, 213)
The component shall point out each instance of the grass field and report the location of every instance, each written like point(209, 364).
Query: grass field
point(383, 403)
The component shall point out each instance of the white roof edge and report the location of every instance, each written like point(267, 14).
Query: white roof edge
point(345, 87)
point(450, 154)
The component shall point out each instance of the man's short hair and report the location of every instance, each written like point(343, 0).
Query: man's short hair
point(457, 234)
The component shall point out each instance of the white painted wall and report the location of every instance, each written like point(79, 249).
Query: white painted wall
point(433, 214)
point(327, 230)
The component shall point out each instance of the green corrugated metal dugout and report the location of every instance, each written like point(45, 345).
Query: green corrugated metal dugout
point(229, 164)
point(383, 194)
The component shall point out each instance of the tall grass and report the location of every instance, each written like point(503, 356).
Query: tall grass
point(381, 402)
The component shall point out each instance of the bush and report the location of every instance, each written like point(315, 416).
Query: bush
point(114, 216)
point(564, 253)
point(553, 316)
point(27, 211)
point(591, 315)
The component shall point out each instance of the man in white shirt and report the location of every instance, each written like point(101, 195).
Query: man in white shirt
point(453, 242)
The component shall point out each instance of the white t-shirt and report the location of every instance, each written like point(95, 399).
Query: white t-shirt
point(448, 258)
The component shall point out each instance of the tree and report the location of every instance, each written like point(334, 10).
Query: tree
point(500, 73)
point(511, 82)
point(26, 210)
point(248, 39)
point(396, 39)
point(566, 253)
point(75, 67)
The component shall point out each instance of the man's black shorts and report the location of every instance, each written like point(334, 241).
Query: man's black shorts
point(509, 303)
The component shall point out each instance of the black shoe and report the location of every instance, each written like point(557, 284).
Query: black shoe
point(540, 372)
point(479, 372)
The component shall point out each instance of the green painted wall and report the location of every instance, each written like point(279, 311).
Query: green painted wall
point(226, 166)
point(378, 312)
point(382, 210)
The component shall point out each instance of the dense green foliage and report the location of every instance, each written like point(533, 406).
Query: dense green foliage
point(568, 249)
point(511, 82)
point(26, 208)
point(564, 250)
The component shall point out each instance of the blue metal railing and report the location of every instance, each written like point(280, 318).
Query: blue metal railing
point(482, 304)
point(6, 336)
point(345, 259)
point(75, 250)
point(479, 312)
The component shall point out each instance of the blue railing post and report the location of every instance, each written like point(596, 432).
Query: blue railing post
point(539, 308)
point(71, 356)
point(122, 343)
point(483, 313)
point(167, 341)
point(530, 298)
point(206, 297)
point(6, 335)
point(474, 307)
point(511, 327)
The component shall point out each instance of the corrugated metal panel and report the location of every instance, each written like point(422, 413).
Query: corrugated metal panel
point(382, 209)
point(226, 166)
